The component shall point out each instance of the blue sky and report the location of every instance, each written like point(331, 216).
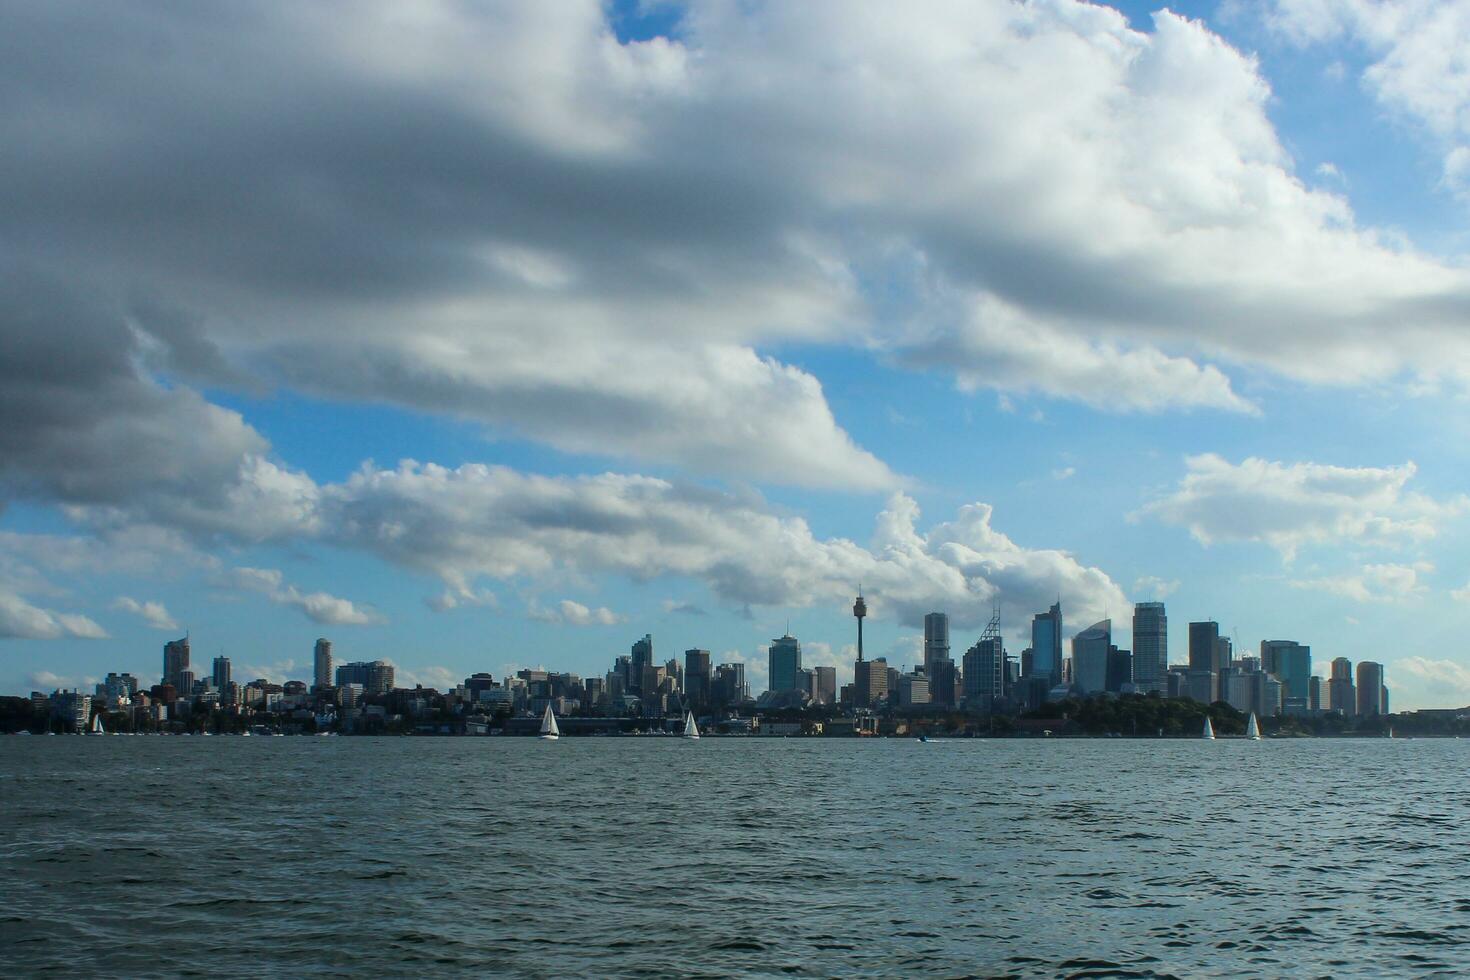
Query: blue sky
point(688, 318)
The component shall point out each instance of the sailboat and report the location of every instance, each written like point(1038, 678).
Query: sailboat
point(1209, 731)
point(548, 725)
point(1253, 730)
point(97, 728)
point(691, 730)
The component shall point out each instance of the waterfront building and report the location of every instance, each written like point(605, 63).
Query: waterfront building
point(1176, 682)
point(824, 685)
point(1150, 646)
point(1314, 693)
point(1383, 705)
point(870, 682)
point(1204, 658)
point(175, 661)
point(186, 684)
point(641, 657)
point(783, 663)
point(728, 688)
point(936, 640)
point(913, 689)
point(943, 679)
point(1200, 685)
point(1342, 695)
point(374, 677)
point(1370, 688)
point(220, 678)
point(981, 670)
point(1046, 644)
point(321, 658)
point(1291, 663)
point(1120, 670)
point(72, 708)
point(697, 677)
point(1090, 658)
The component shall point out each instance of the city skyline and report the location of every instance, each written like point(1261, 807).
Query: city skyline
point(618, 318)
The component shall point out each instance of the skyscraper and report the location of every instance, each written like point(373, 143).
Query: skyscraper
point(1290, 663)
point(1341, 694)
point(783, 660)
point(1046, 644)
point(981, 673)
point(221, 678)
point(322, 659)
point(1204, 659)
point(936, 639)
point(1090, 657)
point(697, 676)
point(1370, 688)
point(642, 657)
point(175, 661)
point(1150, 646)
point(824, 685)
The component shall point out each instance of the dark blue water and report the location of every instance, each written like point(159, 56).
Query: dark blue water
point(623, 857)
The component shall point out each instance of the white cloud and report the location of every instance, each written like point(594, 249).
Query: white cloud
point(575, 614)
point(1374, 583)
point(277, 673)
point(592, 244)
point(439, 678)
point(456, 598)
point(1421, 72)
point(1288, 505)
point(1444, 678)
point(21, 620)
point(43, 680)
point(1154, 587)
point(320, 607)
point(152, 613)
point(490, 521)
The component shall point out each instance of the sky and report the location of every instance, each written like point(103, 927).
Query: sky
point(479, 336)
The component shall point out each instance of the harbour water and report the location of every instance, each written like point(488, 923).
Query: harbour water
point(659, 856)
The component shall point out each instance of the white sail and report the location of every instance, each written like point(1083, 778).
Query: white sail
point(97, 728)
point(548, 724)
point(1209, 729)
point(1252, 729)
point(691, 730)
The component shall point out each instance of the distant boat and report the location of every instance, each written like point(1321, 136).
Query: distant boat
point(691, 730)
point(548, 725)
point(1209, 731)
point(923, 737)
point(97, 728)
point(1253, 730)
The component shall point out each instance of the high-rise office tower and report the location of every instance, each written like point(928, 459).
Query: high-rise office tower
point(1204, 658)
point(697, 676)
point(1314, 693)
point(175, 661)
point(1090, 657)
point(1046, 644)
point(942, 682)
point(1290, 663)
point(1370, 688)
point(981, 673)
point(936, 639)
point(870, 682)
point(642, 654)
point(783, 661)
point(824, 685)
point(1224, 653)
point(1120, 669)
point(1342, 696)
point(1150, 646)
point(322, 661)
point(221, 677)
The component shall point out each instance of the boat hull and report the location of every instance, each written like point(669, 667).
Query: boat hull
point(550, 738)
